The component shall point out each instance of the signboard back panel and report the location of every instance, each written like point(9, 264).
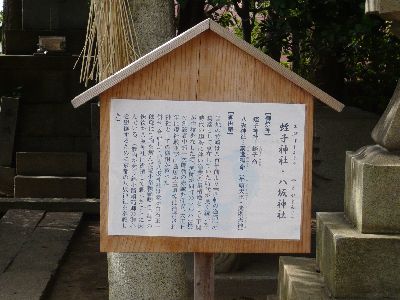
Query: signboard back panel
point(195, 72)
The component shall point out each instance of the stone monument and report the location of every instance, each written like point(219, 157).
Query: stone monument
point(357, 251)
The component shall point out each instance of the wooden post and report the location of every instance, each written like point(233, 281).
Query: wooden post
point(203, 276)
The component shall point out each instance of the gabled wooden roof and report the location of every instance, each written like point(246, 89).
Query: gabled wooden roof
point(187, 36)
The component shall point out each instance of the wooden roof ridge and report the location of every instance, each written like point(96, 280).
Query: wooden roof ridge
point(187, 36)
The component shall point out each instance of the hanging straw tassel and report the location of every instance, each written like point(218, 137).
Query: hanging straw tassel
point(110, 43)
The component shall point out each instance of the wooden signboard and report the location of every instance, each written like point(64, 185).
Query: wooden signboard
point(204, 73)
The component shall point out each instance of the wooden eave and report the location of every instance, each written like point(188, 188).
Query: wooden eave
point(183, 38)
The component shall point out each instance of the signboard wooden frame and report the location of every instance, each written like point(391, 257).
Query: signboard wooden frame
point(207, 68)
point(207, 63)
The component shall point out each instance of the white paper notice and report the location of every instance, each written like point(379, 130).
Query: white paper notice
point(206, 169)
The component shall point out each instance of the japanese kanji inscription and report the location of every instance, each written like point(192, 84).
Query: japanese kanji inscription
point(206, 169)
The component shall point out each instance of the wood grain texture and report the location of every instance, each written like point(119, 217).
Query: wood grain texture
point(193, 33)
point(206, 68)
point(203, 276)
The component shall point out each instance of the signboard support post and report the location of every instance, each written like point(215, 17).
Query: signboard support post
point(203, 276)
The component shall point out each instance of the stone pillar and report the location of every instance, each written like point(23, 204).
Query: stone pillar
point(153, 21)
point(149, 275)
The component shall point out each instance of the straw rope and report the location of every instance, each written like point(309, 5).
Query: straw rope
point(111, 42)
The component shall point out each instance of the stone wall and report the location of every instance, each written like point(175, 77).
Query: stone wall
point(46, 121)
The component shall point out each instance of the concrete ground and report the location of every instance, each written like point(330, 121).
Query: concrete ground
point(83, 274)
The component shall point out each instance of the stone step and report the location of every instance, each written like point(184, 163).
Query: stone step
point(298, 279)
point(355, 264)
point(51, 164)
point(7, 181)
point(49, 187)
point(87, 206)
point(372, 189)
point(324, 219)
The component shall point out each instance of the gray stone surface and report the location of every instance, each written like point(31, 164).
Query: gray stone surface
point(386, 131)
point(49, 187)
point(146, 276)
point(31, 270)
point(359, 265)
point(16, 227)
point(328, 218)
point(7, 181)
point(150, 34)
point(298, 279)
point(335, 133)
point(8, 123)
point(51, 164)
point(372, 191)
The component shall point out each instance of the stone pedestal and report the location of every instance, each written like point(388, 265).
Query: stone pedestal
point(328, 218)
point(358, 265)
point(299, 280)
point(358, 250)
point(147, 276)
point(372, 189)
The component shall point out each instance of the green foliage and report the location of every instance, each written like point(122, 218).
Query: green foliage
point(330, 42)
point(373, 67)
